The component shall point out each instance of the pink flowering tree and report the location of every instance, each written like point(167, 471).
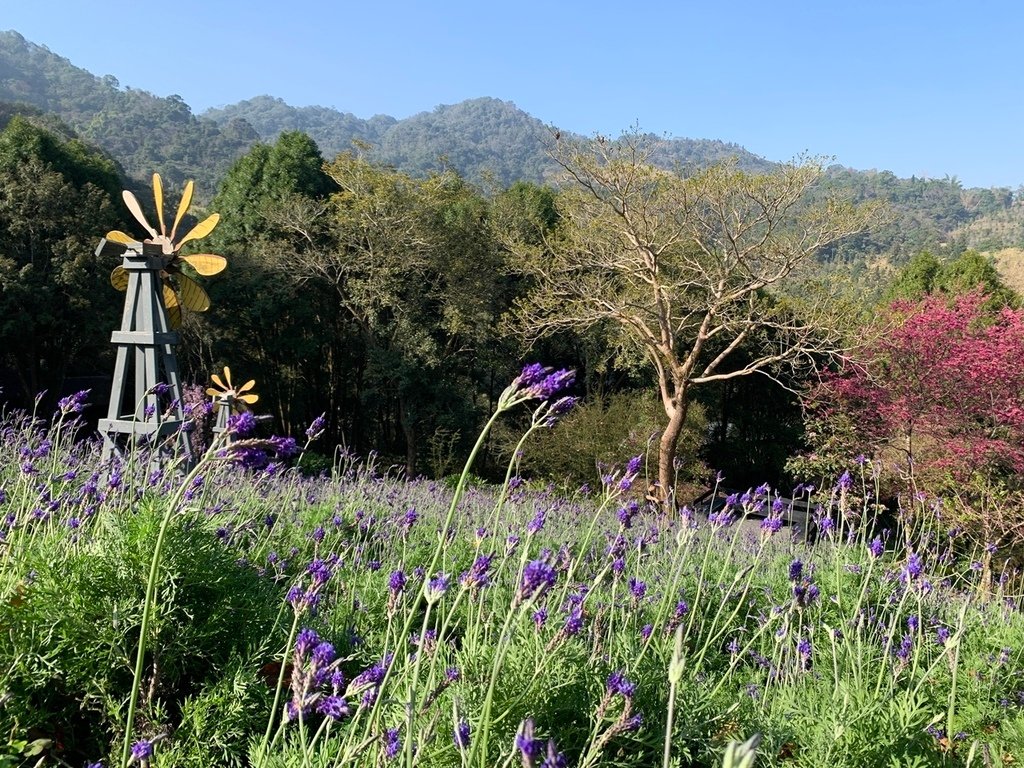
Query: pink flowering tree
point(938, 398)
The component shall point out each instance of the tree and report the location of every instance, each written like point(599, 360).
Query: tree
point(288, 336)
point(937, 394)
point(412, 266)
point(683, 269)
point(56, 306)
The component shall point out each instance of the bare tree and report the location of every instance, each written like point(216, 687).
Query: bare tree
point(690, 270)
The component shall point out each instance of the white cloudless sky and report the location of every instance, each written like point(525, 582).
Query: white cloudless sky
point(927, 88)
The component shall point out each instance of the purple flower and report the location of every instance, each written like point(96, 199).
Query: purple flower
point(142, 750)
point(316, 428)
point(538, 578)
point(537, 381)
point(559, 408)
point(305, 640)
point(637, 588)
point(462, 734)
point(912, 571)
point(396, 582)
point(617, 683)
point(437, 586)
point(536, 524)
point(73, 403)
point(392, 744)
point(284, 447)
point(771, 524)
point(876, 547)
point(574, 623)
point(242, 424)
point(553, 758)
point(527, 745)
point(477, 577)
point(796, 570)
point(334, 707)
point(845, 482)
point(906, 645)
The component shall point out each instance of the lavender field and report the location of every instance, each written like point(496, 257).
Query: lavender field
point(247, 615)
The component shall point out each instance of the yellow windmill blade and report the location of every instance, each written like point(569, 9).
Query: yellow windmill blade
point(250, 398)
point(133, 205)
point(213, 392)
point(183, 205)
point(174, 317)
point(119, 278)
point(192, 294)
point(116, 236)
point(172, 306)
point(227, 378)
point(158, 198)
point(247, 386)
point(206, 263)
point(201, 230)
point(218, 382)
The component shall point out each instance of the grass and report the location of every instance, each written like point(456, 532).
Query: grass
point(259, 617)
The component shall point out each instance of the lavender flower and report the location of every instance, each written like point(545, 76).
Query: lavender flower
point(142, 750)
point(392, 743)
point(461, 735)
point(618, 684)
point(316, 428)
point(876, 547)
point(73, 403)
point(538, 578)
point(477, 577)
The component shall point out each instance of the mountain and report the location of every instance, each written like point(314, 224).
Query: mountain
point(142, 131)
point(489, 141)
point(486, 139)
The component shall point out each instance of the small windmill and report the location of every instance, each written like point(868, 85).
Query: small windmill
point(227, 399)
point(156, 289)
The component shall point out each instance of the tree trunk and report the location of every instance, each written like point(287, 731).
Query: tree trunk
point(409, 432)
point(667, 453)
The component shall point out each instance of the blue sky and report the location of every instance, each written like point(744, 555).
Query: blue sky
point(918, 88)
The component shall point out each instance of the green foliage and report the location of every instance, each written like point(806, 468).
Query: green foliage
point(76, 621)
point(604, 433)
point(55, 202)
point(925, 275)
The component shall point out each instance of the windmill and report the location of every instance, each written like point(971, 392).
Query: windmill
point(156, 289)
point(228, 399)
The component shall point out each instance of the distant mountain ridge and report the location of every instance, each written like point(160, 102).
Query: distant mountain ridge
point(489, 141)
point(484, 138)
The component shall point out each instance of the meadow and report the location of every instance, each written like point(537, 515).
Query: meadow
point(246, 614)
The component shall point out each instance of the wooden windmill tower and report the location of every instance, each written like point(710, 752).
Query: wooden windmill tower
point(146, 396)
